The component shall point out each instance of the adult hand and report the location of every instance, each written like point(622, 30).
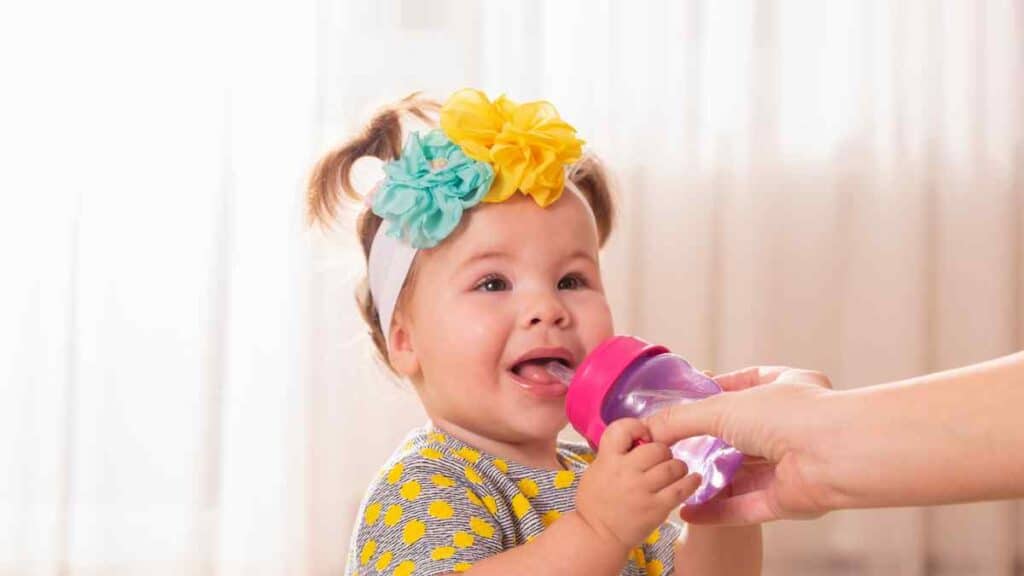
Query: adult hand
point(775, 416)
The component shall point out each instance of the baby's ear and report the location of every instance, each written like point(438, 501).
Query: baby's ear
point(401, 351)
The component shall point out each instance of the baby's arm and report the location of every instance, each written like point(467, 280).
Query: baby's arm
point(569, 546)
point(719, 550)
point(624, 495)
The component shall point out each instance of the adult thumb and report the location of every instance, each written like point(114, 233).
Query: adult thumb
point(681, 421)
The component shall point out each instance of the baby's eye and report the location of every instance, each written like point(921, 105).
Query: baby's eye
point(572, 282)
point(492, 283)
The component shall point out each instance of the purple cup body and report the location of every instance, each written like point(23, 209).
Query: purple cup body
point(653, 383)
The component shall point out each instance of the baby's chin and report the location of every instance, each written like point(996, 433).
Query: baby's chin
point(520, 429)
point(539, 427)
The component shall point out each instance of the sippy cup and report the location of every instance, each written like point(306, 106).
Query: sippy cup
point(628, 377)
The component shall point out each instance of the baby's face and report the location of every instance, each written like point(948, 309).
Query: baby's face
point(516, 281)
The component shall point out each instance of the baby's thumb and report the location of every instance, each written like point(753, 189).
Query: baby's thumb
point(680, 421)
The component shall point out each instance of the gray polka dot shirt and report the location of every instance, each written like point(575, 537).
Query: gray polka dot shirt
point(440, 505)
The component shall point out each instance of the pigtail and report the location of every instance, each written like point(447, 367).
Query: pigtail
point(330, 184)
point(590, 176)
point(382, 138)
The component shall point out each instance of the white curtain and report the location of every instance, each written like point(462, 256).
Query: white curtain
point(154, 359)
point(184, 383)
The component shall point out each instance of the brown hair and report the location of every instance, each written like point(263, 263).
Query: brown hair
point(330, 183)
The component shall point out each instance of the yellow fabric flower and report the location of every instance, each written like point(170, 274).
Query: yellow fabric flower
point(528, 144)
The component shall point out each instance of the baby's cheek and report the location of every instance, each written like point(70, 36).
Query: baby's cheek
point(474, 331)
point(479, 330)
point(596, 324)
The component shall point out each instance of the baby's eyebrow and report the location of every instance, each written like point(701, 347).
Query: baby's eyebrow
point(485, 255)
point(581, 254)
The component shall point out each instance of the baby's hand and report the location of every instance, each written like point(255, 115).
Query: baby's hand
point(628, 492)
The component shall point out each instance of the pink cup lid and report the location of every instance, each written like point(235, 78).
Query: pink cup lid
point(595, 377)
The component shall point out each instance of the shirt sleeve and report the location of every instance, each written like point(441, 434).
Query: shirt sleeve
point(425, 517)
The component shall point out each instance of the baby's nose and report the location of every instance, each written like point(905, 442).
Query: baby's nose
point(548, 310)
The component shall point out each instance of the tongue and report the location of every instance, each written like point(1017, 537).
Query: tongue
point(536, 374)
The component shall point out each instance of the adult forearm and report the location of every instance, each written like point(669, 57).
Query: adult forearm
point(948, 437)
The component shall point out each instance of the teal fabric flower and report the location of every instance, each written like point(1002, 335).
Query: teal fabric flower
point(427, 189)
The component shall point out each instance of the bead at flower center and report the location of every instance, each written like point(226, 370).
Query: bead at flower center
point(438, 163)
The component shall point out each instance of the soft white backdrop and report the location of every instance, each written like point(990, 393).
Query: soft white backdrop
point(184, 383)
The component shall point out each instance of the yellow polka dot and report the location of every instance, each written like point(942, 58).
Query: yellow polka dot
point(440, 509)
point(442, 481)
point(393, 515)
point(529, 487)
point(549, 517)
point(564, 478)
point(490, 504)
point(473, 498)
point(638, 557)
point(588, 458)
point(413, 531)
point(372, 513)
point(481, 527)
point(520, 505)
point(462, 566)
point(473, 476)
point(655, 568)
point(395, 473)
point(501, 465)
point(432, 453)
point(405, 568)
point(410, 490)
point(442, 553)
point(383, 561)
point(467, 453)
point(653, 538)
point(408, 445)
point(368, 549)
point(463, 539)
point(437, 437)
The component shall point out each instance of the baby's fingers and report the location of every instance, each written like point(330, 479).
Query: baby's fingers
point(620, 435)
point(677, 492)
point(664, 474)
point(647, 456)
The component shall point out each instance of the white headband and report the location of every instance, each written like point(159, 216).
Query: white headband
point(389, 264)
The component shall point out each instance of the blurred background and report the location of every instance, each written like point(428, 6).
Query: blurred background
point(186, 386)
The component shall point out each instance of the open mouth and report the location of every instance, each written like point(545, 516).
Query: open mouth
point(533, 368)
point(533, 377)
